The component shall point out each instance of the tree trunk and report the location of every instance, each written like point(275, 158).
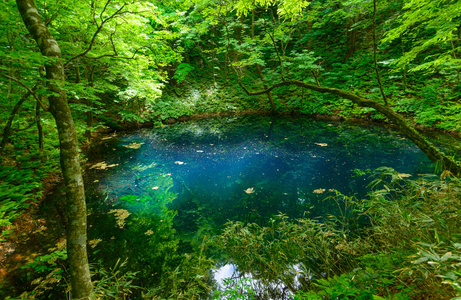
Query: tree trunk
point(404, 66)
point(89, 113)
point(70, 165)
point(7, 129)
point(89, 120)
point(39, 127)
point(258, 68)
point(433, 153)
point(375, 60)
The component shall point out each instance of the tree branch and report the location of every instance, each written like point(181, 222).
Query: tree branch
point(44, 107)
point(115, 55)
point(98, 30)
point(434, 154)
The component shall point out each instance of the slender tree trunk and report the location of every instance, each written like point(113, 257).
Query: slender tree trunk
point(226, 62)
point(39, 127)
point(89, 114)
point(258, 68)
point(89, 120)
point(70, 165)
point(7, 129)
point(269, 94)
point(454, 56)
point(316, 77)
point(352, 37)
point(433, 153)
point(309, 31)
point(375, 50)
point(404, 67)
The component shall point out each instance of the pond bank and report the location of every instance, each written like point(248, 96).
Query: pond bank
point(129, 126)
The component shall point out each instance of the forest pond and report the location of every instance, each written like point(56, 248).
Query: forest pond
point(160, 190)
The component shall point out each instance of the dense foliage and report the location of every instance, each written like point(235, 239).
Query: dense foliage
point(152, 62)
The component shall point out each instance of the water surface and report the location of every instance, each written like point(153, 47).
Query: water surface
point(156, 191)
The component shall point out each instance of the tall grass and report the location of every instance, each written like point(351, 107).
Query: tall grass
point(401, 242)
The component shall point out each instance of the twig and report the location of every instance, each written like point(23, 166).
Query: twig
point(98, 30)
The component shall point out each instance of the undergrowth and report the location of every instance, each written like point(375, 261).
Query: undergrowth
point(23, 172)
point(409, 250)
point(401, 242)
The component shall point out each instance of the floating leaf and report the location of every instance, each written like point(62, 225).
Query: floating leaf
point(120, 216)
point(250, 190)
point(322, 144)
point(134, 145)
point(93, 243)
point(102, 166)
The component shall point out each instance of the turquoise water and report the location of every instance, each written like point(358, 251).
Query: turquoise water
point(237, 165)
point(175, 182)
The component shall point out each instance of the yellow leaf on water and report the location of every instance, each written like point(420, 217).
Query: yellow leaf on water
point(250, 190)
point(102, 166)
point(134, 145)
point(94, 243)
point(120, 216)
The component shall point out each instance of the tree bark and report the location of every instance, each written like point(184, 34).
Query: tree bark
point(70, 165)
point(434, 154)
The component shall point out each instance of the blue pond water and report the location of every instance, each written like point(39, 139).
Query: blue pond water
point(235, 166)
point(178, 180)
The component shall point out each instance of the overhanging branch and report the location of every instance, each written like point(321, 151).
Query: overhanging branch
point(434, 154)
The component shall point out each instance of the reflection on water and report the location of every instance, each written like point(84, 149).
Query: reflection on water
point(179, 182)
point(229, 278)
point(223, 273)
